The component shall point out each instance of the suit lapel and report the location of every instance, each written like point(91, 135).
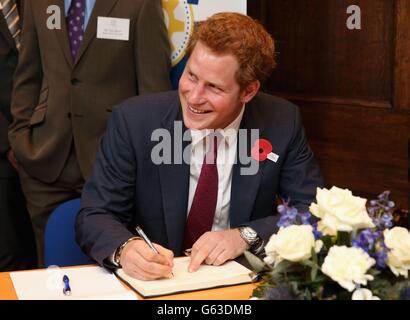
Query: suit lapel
point(62, 34)
point(245, 187)
point(174, 182)
point(101, 8)
point(5, 32)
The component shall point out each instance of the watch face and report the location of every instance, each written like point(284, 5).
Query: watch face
point(250, 233)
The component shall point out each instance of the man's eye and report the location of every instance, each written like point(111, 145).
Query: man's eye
point(215, 88)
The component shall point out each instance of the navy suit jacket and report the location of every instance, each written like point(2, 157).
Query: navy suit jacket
point(127, 189)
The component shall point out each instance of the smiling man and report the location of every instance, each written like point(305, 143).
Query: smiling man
point(205, 205)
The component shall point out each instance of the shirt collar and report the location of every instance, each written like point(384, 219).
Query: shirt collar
point(229, 133)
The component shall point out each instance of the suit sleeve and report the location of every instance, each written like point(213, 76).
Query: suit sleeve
point(109, 194)
point(28, 80)
point(300, 176)
point(152, 49)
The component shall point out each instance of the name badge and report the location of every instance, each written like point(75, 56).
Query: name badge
point(113, 28)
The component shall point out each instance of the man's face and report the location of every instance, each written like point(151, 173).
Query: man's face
point(210, 96)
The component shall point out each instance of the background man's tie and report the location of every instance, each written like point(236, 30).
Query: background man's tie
point(75, 25)
point(12, 17)
point(202, 212)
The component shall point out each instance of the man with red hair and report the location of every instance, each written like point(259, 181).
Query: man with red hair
point(206, 204)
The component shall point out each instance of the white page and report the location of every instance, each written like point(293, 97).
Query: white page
point(205, 277)
point(87, 283)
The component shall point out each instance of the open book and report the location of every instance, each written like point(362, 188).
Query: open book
point(231, 273)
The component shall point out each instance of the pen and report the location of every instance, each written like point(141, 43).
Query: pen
point(66, 289)
point(147, 240)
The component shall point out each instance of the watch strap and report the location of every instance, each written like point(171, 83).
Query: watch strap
point(118, 252)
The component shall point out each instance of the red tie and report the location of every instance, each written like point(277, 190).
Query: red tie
point(201, 215)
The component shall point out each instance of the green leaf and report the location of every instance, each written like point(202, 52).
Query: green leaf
point(315, 267)
point(307, 263)
point(343, 238)
point(256, 263)
point(327, 242)
point(313, 273)
point(283, 266)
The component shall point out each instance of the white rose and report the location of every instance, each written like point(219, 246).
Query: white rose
point(325, 230)
point(339, 210)
point(293, 243)
point(398, 258)
point(348, 266)
point(364, 294)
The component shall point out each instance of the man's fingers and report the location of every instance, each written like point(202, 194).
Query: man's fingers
point(168, 254)
point(140, 259)
point(200, 251)
point(221, 258)
point(134, 271)
point(214, 255)
point(196, 260)
point(146, 252)
point(154, 263)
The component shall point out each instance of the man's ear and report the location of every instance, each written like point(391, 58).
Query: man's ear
point(250, 91)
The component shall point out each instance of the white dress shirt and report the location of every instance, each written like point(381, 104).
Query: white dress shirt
point(227, 148)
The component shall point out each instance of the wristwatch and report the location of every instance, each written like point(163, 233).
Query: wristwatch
point(252, 238)
point(117, 255)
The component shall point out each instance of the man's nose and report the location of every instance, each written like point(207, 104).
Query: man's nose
point(196, 96)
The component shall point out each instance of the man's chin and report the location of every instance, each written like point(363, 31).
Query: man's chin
point(194, 124)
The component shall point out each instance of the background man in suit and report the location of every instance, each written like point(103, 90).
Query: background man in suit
point(17, 250)
point(67, 82)
point(211, 207)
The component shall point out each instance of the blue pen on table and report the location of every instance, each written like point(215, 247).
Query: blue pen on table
point(66, 289)
point(147, 240)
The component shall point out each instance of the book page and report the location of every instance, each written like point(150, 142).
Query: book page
point(88, 283)
point(206, 277)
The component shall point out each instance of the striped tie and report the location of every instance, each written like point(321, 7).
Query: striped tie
point(11, 15)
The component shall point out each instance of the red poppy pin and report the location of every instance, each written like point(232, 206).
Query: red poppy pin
point(262, 150)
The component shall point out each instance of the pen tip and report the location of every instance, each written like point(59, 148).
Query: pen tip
point(67, 292)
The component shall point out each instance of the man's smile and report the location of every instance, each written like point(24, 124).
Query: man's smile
point(197, 111)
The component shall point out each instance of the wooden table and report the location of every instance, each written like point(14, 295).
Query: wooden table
point(239, 292)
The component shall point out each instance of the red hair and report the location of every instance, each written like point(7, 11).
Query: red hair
point(241, 36)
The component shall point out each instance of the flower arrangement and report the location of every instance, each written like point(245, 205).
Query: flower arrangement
point(338, 250)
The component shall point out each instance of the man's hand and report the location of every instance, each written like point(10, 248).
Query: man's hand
point(216, 247)
point(140, 262)
point(12, 159)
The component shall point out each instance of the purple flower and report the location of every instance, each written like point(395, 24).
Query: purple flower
point(380, 257)
point(366, 239)
point(373, 243)
point(290, 216)
point(285, 222)
point(317, 234)
point(279, 293)
point(381, 211)
point(305, 217)
point(405, 294)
